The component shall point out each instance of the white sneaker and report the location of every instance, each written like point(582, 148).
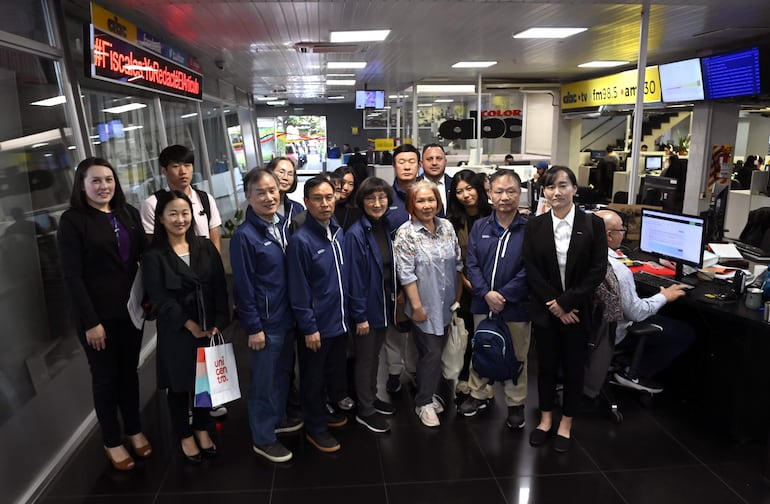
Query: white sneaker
point(438, 403)
point(427, 415)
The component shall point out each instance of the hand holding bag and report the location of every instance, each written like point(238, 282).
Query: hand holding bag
point(216, 375)
point(454, 350)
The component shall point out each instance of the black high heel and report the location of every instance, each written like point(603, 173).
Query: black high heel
point(209, 452)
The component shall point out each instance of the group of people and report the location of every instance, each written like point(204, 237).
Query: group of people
point(362, 267)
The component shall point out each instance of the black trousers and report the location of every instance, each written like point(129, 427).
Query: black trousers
point(179, 406)
point(114, 379)
point(560, 348)
point(313, 367)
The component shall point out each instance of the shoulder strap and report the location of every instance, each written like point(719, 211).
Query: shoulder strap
point(204, 197)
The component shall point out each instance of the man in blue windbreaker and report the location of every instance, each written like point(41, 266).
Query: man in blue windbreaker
point(496, 272)
point(318, 279)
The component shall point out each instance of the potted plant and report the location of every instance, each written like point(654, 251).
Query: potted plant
point(228, 228)
point(684, 145)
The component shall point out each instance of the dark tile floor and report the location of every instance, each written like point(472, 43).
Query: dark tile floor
point(656, 455)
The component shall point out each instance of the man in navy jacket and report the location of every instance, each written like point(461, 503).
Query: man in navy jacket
point(318, 279)
point(496, 272)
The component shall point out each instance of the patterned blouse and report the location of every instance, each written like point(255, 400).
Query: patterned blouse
point(432, 260)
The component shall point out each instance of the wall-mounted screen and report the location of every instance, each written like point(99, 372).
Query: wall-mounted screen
point(681, 81)
point(732, 74)
point(370, 99)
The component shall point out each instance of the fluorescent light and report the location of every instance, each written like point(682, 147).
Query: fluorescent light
point(340, 75)
point(136, 77)
point(132, 128)
point(396, 97)
point(52, 135)
point(359, 36)
point(41, 144)
point(474, 64)
point(602, 64)
point(340, 82)
point(346, 64)
point(187, 116)
point(267, 98)
point(446, 88)
point(443, 100)
point(140, 67)
point(424, 104)
point(336, 97)
point(546, 33)
point(124, 108)
point(277, 102)
point(47, 154)
point(50, 102)
point(71, 147)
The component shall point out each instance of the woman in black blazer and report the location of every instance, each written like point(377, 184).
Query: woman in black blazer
point(100, 239)
point(185, 281)
point(565, 253)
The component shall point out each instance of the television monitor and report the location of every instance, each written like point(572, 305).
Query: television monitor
point(110, 129)
point(653, 163)
point(759, 181)
point(732, 74)
point(370, 99)
point(596, 155)
point(675, 237)
point(681, 81)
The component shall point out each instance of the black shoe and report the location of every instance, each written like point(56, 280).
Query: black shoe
point(373, 422)
point(336, 420)
point(289, 425)
point(471, 406)
point(323, 441)
point(562, 444)
point(275, 452)
point(538, 437)
point(209, 452)
point(638, 383)
point(193, 459)
point(384, 408)
point(516, 418)
point(393, 384)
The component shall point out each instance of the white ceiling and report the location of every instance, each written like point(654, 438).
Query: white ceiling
point(254, 40)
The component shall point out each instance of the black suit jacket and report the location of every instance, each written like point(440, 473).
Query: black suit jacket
point(98, 281)
point(585, 270)
point(447, 184)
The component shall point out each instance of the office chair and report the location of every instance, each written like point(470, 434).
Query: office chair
point(620, 197)
point(757, 226)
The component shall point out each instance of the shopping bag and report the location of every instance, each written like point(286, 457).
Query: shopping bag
point(221, 374)
point(454, 350)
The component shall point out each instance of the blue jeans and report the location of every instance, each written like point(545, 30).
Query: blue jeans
point(267, 388)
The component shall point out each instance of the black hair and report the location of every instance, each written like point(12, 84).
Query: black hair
point(315, 182)
point(455, 210)
point(370, 186)
point(346, 170)
point(503, 172)
point(549, 177)
point(610, 148)
point(176, 154)
point(405, 148)
point(274, 163)
point(159, 234)
point(78, 197)
point(431, 145)
point(255, 175)
point(509, 156)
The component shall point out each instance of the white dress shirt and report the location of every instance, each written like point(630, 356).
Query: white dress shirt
point(562, 234)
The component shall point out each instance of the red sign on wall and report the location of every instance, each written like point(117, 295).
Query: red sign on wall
point(115, 60)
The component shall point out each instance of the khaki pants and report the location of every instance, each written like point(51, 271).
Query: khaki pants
point(514, 394)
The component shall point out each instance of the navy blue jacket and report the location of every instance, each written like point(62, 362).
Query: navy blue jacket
point(366, 294)
point(495, 262)
point(397, 214)
point(318, 279)
point(292, 210)
point(260, 280)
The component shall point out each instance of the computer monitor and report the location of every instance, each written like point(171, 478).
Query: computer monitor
point(759, 181)
point(596, 155)
point(653, 163)
point(659, 191)
point(678, 238)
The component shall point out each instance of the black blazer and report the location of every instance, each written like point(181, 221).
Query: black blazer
point(173, 286)
point(586, 266)
point(98, 281)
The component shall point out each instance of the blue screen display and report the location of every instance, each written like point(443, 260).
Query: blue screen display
point(732, 74)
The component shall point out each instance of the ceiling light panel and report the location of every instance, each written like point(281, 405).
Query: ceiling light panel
point(474, 64)
point(346, 64)
point(602, 64)
point(358, 36)
point(549, 33)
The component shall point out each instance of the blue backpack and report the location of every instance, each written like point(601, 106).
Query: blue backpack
point(493, 355)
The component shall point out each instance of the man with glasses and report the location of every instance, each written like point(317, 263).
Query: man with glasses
point(660, 349)
point(496, 272)
point(318, 280)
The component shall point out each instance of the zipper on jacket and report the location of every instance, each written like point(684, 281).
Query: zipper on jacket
point(338, 260)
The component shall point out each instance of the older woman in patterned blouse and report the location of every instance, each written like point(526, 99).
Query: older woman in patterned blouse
point(428, 263)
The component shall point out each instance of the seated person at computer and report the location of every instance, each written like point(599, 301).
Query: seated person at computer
point(508, 160)
point(743, 174)
point(660, 349)
point(676, 168)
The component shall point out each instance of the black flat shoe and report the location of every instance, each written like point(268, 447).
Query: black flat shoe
point(562, 444)
point(538, 437)
point(193, 459)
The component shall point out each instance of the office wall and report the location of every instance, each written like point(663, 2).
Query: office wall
point(753, 136)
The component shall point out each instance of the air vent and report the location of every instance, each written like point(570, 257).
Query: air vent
point(325, 47)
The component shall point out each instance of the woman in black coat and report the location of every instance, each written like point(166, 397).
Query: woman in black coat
point(100, 239)
point(565, 253)
point(185, 281)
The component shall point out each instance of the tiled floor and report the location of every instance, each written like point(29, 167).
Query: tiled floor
point(656, 455)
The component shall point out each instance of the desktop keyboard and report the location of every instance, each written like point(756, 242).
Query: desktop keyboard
point(656, 281)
